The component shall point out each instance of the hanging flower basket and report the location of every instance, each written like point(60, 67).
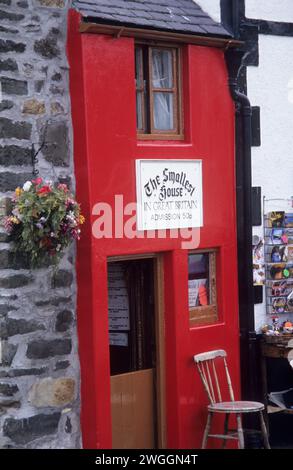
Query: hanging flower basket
point(45, 219)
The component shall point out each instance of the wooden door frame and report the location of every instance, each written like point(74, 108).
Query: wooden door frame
point(160, 337)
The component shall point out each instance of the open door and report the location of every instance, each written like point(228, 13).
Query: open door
point(134, 354)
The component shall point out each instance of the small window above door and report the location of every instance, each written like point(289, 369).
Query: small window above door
point(158, 92)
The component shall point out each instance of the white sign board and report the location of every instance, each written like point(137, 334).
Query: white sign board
point(169, 194)
point(118, 339)
point(118, 305)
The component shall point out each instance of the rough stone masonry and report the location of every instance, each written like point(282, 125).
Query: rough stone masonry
point(39, 366)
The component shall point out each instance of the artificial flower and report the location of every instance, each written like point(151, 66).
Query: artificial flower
point(44, 190)
point(27, 186)
point(37, 181)
point(18, 191)
point(63, 187)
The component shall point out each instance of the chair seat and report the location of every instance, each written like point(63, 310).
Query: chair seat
point(236, 407)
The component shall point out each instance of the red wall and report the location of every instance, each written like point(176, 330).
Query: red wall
point(105, 149)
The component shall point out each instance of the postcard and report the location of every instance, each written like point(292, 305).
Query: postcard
point(279, 254)
point(259, 264)
point(279, 236)
point(288, 220)
point(195, 288)
point(279, 288)
point(279, 305)
point(276, 218)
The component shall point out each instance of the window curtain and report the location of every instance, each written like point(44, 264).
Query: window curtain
point(163, 78)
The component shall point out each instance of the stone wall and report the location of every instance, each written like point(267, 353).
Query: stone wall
point(39, 368)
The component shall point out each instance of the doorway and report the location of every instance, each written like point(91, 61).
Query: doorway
point(136, 353)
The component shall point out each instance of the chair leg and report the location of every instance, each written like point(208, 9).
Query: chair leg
point(264, 431)
point(207, 430)
point(226, 426)
point(240, 432)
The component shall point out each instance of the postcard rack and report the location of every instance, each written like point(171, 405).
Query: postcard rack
point(278, 257)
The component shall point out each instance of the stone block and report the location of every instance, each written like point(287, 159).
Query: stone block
point(57, 150)
point(3, 29)
point(19, 326)
point(52, 3)
point(7, 15)
point(33, 28)
point(15, 155)
point(8, 403)
point(5, 309)
point(8, 353)
point(28, 69)
point(34, 106)
point(10, 129)
point(6, 104)
point(62, 278)
point(8, 298)
point(56, 77)
point(54, 302)
point(24, 372)
point(39, 84)
point(56, 108)
point(5, 205)
point(52, 392)
point(47, 47)
point(4, 259)
point(41, 349)
point(11, 46)
point(14, 281)
point(22, 431)
point(8, 389)
point(8, 64)
point(68, 425)
point(60, 365)
point(56, 90)
point(18, 260)
point(4, 237)
point(10, 86)
point(10, 181)
point(63, 321)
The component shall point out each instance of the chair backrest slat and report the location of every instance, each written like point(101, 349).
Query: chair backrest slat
point(229, 381)
point(210, 382)
point(206, 366)
point(204, 381)
point(217, 381)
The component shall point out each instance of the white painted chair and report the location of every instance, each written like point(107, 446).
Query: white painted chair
point(206, 365)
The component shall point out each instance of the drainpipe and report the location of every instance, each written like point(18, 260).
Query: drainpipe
point(248, 338)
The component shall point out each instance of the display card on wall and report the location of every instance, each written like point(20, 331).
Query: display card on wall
point(118, 303)
point(169, 194)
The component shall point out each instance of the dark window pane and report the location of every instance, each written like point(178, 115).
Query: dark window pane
point(138, 67)
point(139, 110)
point(198, 279)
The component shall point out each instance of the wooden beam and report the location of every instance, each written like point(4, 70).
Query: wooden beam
point(155, 35)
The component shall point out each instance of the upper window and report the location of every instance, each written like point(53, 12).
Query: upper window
point(158, 101)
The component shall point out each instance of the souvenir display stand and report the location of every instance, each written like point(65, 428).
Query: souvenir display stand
point(277, 340)
point(278, 258)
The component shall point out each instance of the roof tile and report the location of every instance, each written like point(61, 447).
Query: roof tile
point(183, 16)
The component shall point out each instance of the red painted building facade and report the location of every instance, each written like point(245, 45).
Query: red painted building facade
point(106, 146)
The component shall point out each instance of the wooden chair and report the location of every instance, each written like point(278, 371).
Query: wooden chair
point(206, 365)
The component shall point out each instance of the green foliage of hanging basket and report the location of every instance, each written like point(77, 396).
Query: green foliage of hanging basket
point(45, 219)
